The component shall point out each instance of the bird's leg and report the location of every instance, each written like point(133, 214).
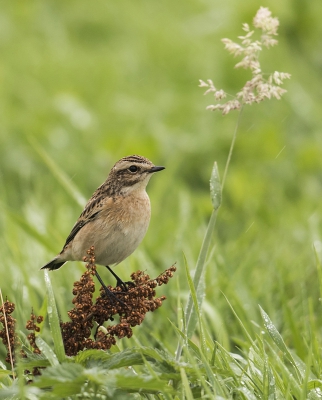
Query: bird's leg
point(119, 281)
point(108, 292)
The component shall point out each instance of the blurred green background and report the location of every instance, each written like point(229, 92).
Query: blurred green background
point(83, 84)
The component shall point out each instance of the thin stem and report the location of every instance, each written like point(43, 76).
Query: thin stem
point(231, 148)
point(8, 337)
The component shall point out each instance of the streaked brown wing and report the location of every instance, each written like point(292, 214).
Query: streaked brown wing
point(90, 212)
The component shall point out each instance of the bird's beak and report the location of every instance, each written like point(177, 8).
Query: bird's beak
point(155, 169)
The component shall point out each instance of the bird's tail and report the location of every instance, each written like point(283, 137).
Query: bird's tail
point(53, 264)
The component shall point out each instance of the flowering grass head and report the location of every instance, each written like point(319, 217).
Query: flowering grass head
point(261, 86)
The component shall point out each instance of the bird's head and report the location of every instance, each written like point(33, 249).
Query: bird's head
point(132, 173)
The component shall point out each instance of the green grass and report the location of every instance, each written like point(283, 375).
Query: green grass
point(85, 84)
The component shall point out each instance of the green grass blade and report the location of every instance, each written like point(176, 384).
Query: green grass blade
point(61, 177)
point(294, 385)
point(197, 277)
point(202, 259)
point(318, 267)
point(277, 339)
point(54, 321)
point(185, 385)
point(240, 322)
point(30, 230)
point(195, 312)
point(216, 200)
point(47, 351)
point(314, 384)
point(187, 341)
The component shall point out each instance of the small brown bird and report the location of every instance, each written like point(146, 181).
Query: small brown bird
point(114, 220)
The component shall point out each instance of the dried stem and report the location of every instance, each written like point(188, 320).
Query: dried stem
point(8, 336)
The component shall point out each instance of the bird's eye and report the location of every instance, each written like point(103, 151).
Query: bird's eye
point(133, 168)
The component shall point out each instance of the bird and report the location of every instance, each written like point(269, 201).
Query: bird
point(114, 220)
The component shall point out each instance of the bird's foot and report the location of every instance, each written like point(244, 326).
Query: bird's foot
point(124, 285)
point(111, 295)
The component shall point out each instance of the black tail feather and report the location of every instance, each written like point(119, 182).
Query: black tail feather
point(53, 264)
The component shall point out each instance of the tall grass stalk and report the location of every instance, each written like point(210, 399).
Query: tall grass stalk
point(216, 188)
point(255, 90)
